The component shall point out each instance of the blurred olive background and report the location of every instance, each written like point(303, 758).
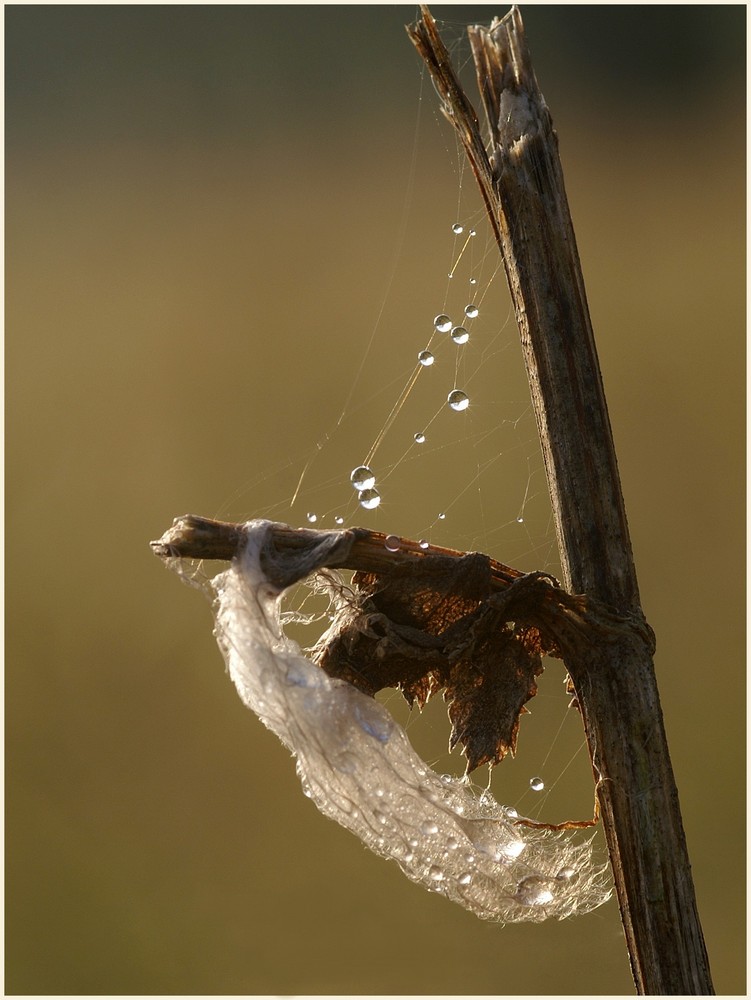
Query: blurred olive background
point(207, 208)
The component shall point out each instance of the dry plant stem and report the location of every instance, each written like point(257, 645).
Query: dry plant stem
point(194, 537)
point(521, 181)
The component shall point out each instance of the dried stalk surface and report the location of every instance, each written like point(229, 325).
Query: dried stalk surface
point(521, 181)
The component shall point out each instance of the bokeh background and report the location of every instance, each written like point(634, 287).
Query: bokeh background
point(208, 209)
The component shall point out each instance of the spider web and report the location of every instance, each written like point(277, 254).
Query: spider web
point(476, 481)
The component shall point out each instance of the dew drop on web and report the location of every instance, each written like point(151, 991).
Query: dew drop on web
point(442, 323)
point(565, 874)
point(513, 849)
point(419, 438)
point(424, 543)
point(426, 358)
point(362, 478)
point(536, 784)
point(533, 891)
point(471, 311)
point(458, 400)
point(459, 335)
point(457, 228)
point(369, 499)
point(339, 519)
point(311, 517)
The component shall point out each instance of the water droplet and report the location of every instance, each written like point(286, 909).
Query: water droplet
point(409, 856)
point(513, 849)
point(379, 793)
point(379, 817)
point(426, 358)
point(458, 400)
point(464, 879)
point(457, 228)
point(533, 891)
point(471, 311)
point(436, 873)
point(511, 812)
point(473, 232)
point(362, 478)
point(419, 438)
point(311, 517)
point(473, 281)
point(413, 841)
point(452, 843)
point(442, 323)
point(459, 335)
point(536, 784)
point(339, 519)
point(565, 874)
point(424, 543)
point(520, 520)
point(441, 516)
point(369, 499)
point(392, 543)
point(429, 828)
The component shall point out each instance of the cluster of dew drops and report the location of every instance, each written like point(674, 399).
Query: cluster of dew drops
point(363, 478)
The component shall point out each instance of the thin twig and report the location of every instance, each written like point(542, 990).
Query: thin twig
point(194, 537)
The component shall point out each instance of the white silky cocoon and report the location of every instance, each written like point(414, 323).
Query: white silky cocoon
point(356, 763)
